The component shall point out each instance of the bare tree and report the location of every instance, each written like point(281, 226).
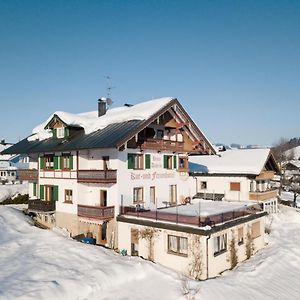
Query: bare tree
point(195, 266)
point(233, 252)
point(149, 235)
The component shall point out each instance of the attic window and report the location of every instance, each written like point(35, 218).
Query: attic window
point(60, 132)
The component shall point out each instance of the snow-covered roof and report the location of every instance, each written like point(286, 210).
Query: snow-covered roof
point(5, 157)
point(90, 121)
point(296, 163)
point(200, 207)
point(295, 151)
point(244, 161)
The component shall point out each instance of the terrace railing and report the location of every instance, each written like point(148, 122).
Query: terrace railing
point(199, 221)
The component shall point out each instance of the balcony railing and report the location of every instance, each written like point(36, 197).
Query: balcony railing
point(28, 174)
point(160, 144)
point(96, 212)
point(260, 196)
point(199, 221)
point(38, 205)
point(100, 176)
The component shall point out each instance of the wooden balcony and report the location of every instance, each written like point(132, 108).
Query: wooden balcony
point(37, 205)
point(160, 144)
point(28, 174)
point(261, 196)
point(97, 176)
point(96, 212)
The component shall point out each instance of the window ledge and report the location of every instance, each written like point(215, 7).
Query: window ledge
point(220, 253)
point(177, 254)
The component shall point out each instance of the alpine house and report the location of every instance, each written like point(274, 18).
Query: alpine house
point(121, 176)
point(85, 166)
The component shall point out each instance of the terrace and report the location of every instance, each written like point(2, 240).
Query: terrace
point(199, 213)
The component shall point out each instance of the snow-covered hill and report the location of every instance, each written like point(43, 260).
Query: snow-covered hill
point(10, 190)
point(42, 264)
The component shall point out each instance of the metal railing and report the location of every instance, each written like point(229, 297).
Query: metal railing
point(199, 221)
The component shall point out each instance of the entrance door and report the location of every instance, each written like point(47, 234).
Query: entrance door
point(48, 193)
point(134, 242)
point(103, 233)
point(103, 197)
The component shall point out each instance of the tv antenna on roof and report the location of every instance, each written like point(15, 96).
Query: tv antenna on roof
point(108, 87)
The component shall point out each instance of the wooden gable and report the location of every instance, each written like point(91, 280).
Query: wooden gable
point(269, 170)
point(171, 129)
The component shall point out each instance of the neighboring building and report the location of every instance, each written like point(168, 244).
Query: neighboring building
point(196, 239)
point(236, 175)
point(87, 165)
point(8, 172)
point(292, 168)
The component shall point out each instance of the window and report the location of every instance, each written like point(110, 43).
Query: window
point(105, 160)
point(60, 132)
point(138, 195)
point(220, 244)
point(235, 186)
point(68, 196)
point(183, 163)
point(152, 194)
point(240, 236)
point(173, 193)
point(160, 134)
point(177, 245)
point(203, 185)
point(49, 162)
point(255, 230)
point(168, 161)
point(65, 162)
point(135, 161)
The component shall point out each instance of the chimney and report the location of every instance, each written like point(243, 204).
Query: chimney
point(101, 107)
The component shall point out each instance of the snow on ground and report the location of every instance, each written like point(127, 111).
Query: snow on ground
point(10, 190)
point(289, 196)
point(41, 264)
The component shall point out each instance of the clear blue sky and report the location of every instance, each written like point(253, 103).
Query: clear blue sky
point(234, 65)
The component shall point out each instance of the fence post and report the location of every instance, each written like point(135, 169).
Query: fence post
point(156, 209)
point(122, 207)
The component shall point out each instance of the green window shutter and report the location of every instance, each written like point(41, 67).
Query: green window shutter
point(42, 163)
point(130, 161)
point(42, 192)
point(147, 161)
point(71, 162)
point(67, 132)
point(56, 162)
point(175, 162)
point(165, 161)
point(54, 131)
point(55, 193)
point(34, 189)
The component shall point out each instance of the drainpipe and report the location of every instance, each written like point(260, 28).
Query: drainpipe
point(207, 256)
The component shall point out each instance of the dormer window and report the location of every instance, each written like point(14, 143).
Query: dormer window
point(60, 132)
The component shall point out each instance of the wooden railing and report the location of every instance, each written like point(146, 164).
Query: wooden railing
point(260, 196)
point(101, 176)
point(28, 174)
point(96, 212)
point(38, 205)
point(160, 144)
